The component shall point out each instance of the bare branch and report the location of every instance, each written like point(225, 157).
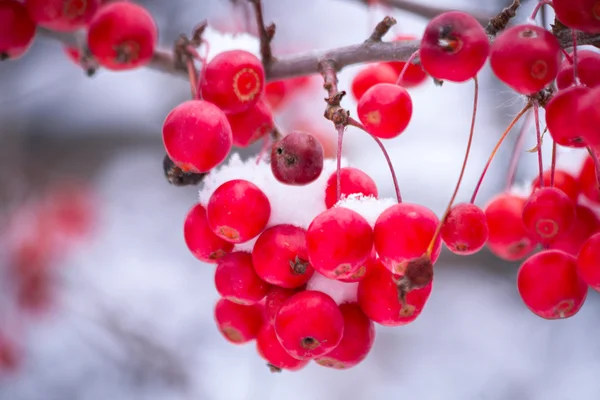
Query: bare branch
point(381, 29)
point(500, 21)
point(266, 33)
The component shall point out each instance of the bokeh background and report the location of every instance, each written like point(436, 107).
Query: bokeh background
point(126, 311)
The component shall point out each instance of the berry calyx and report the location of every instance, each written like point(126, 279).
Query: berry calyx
point(251, 125)
point(385, 110)
point(588, 262)
point(228, 215)
point(236, 280)
point(562, 117)
point(17, 30)
point(526, 58)
point(200, 239)
point(353, 181)
point(237, 323)
point(122, 36)
point(548, 214)
point(272, 351)
point(549, 285)
point(309, 325)
point(233, 80)
point(370, 76)
point(465, 230)
point(62, 15)
point(454, 47)
point(297, 159)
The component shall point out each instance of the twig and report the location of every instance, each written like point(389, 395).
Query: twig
point(499, 22)
point(381, 29)
point(266, 33)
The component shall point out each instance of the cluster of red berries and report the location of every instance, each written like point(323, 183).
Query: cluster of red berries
point(121, 35)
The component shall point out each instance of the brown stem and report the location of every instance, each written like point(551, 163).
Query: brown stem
point(500, 21)
point(266, 33)
point(193, 76)
point(553, 167)
point(538, 136)
point(381, 29)
point(338, 170)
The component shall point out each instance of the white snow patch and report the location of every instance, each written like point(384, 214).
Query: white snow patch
point(367, 206)
point(341, 292)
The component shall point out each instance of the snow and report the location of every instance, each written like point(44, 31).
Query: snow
point(367, 206)
point(341, 292)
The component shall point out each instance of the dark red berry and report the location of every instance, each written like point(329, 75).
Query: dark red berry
point(297, 159)
point(17, 30)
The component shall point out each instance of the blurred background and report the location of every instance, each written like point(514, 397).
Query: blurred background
point(118, 308)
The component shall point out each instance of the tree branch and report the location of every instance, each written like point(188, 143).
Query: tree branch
point(266, 33)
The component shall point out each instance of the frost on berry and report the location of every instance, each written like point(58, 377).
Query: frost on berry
point(358, 338)
point(17, 30)
point(526, 58)
point(251, 125)
point(465, 230)
point(122, 36)
point(385, 110)
point(548, 214)
point(585, 225)
point(583, 15)
point(227, 211)
point(309, 325)
point(454, 47)
point(370, 76)
point(508, 237)
point(62, 15)
point(236, 280)
point(197, 136)
point(272, 351)
point(200, 239)
point(550, 286)
point(588, 262)
point(297, 159)
point(339, 240)
point(588, 65)
point(234, 80)
point(238, 323)
point(562, 119)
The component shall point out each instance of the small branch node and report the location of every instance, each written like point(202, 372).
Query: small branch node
point(500, 21)
point(381, 29)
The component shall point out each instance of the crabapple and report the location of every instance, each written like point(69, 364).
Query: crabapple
point(17, 30)
point(269, 348)
point(465, 230)
point(385, 110)
point(588, 262)
point(238, 323)
point(583, 15)
point(370, 76)
point(236, 280)
point(585, 225)
point(62, 15)
point(275, 299)
point(200, 239)
point(562, 181)
point(297, 159)
point(588, 180)
point(548, 214)
point(414, 74)
point(588, 64)
point(562, 118)
point(353, 181)
point(249, 126)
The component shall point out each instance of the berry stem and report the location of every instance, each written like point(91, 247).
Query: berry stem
point(193, 77)
point(596, 160)
point(405, 68)
point(539, 5)
point(516, 156)
point(553, 166)
point(567, 56)
point(575, 69)
point(538, 135)
point(498, 144)
point(462, 171)
point(340, 130)
point(357, 124)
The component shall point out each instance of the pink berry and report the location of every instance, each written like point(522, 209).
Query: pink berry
point(200, 239)
point(588, 181)
point(402, 234)
point(385, 110)
point(339, 241)
point(297, 159)
point(562, 180)
point(122, 36)
point(228, 215)
point(238, 323)
point(588, 262)
point(508, 237)
point(353, 181)
point(526, 58)
point(272, 351)
point(197, 136)
point(236, 280)
point(280, 256)
point(589, 117)
point(62, 15)
point(234, 80)
point(454, 47)
point(358, 338)
point(465, 229)
point(370, 76)
point(414, 74)
point(585, 225)
point(309, 325)
point(251, 125)
point(588, 64)
point(548, 214)
point(549, 285)
point(378, 296)
point(275, 299)
point(17, 30)
point(562, 117)
point(583, 15)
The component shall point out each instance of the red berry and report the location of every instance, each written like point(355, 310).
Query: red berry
point(454, 47)
point(122, 36)
point(200, 239)
point(579, 14)
point(197, 136)
point(17, 30)
point(62, 15)
point(508, 236)
point(339, 241)
point(588, 181)
point(275, 299)
point(309, 325)
point(402, 234)
point(277, 92)
point(234, 80)
point(236, 280)
point(70, 209)
point(526, 58)
point(250, 125)
point(549, 285)
point(548, 214)
point(588, 64)
point(280, 256)
point(272, 351)
point(297, 159)
point(358, 338)
point(562, 117)
point(370, 76)
point(465, 229)
point(379, 299)
point(414, 74)
point(586, 224)
point(588, 262)
point(353, 180)
point(363, 270)
point(589, 117)
point(228, 215)
point(73, 54)
point(385, 110)
point(562, 180)
point(238, 323)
